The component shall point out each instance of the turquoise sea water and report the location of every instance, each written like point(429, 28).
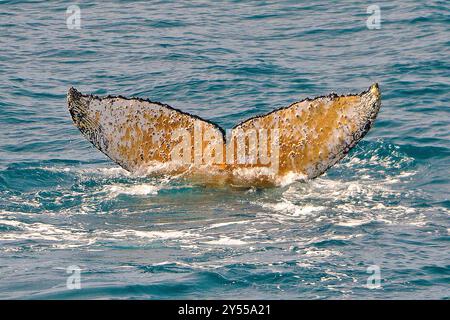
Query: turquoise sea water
point(63, 203)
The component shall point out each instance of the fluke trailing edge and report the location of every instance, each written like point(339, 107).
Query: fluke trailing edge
point(302, 140)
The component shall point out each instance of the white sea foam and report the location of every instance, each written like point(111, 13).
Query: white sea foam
point(346, 203)
point(279, 217)
point(138, 190)
point(286, 206)
point(224, 224)
point(352, 222)
point(290, 178)
point(322, 253)
point(67, 238)
point(227, 242)
point(107, 172)
point(151, 235)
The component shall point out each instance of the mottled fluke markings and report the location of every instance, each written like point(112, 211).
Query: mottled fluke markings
point(145, 137)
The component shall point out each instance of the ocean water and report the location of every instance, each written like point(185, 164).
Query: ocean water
point(64, 205)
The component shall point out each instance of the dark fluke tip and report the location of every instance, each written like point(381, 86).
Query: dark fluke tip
point(73, 94)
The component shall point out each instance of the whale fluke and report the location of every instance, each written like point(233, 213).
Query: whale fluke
point(303, 139)
point(132, 132)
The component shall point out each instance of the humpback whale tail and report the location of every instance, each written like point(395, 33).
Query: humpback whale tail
point(304, 139)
